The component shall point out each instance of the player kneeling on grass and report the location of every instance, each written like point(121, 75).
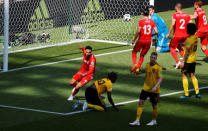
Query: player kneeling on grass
point(151, 89)
point(189, 61)
point(93, 93)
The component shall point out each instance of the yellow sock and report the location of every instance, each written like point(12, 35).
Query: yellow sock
point(185, 86)
point(139, 112)
point(195, 83)
point(155, 112)
point(96, 107)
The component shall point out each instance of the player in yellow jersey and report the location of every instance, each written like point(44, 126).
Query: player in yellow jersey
point(189, 61)
point(150, 89)
point(93, 93)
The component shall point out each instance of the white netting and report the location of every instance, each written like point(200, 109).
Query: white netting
point(44, 22)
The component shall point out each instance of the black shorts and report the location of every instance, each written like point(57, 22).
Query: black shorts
point(189, 68)
point(92, 97)
point(154, 97)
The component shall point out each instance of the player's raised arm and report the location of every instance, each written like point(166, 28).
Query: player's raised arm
point(80, 47)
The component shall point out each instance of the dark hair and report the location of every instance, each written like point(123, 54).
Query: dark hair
point(198, 2)
point(179, 5)
point(154, 53)
point(145, 12)
point(112, 76)
point(151, 6)
point(88, 47)
point(191, 28)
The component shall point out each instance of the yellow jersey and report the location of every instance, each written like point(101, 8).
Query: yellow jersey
point(103, 85)
point(191, 45)
point(153, 74)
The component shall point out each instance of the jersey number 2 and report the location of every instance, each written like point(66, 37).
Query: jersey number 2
point(182, 22)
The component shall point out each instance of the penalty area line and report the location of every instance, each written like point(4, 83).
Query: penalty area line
point(78, 112)
point(69, 60)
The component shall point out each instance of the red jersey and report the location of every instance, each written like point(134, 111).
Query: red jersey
point(181, 21)
point(146, 25)
point(201, 20)
point(88, 65)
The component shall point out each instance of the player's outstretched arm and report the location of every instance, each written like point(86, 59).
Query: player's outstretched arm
point(111, 101)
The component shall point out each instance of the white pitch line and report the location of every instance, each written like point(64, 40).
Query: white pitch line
point(75, 59)
point(30, 109)
point(77, 112)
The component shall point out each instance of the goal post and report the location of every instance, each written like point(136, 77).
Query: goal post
point(6, 35)
point(35, 24)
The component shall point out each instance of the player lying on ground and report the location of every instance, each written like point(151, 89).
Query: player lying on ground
point(179, 24)
point(86, 73)
point(202, 26)
point(143, 43)
point(162, 44)
point(189, 61)
point(150, 89)
point(93, 93)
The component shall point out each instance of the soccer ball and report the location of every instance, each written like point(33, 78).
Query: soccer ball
point(127, 17)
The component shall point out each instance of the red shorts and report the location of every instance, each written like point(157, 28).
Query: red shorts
point(144, 45)
point(177, 42)
point(203, 37)
point(83, 80)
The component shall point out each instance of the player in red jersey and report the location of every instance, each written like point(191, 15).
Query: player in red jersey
point(86, 73)
point(179, 24)
point(202, 26)
point(143, 43)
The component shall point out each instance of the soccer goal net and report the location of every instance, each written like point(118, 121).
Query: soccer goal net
point(41, 23)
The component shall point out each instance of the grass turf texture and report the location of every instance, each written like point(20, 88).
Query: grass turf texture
point(46, 88)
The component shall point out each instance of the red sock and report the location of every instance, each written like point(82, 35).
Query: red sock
point(174, 54)
point(75, 92)
point(141, 59)
point(134, 57)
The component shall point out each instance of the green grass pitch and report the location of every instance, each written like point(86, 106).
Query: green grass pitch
point(46, 88)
